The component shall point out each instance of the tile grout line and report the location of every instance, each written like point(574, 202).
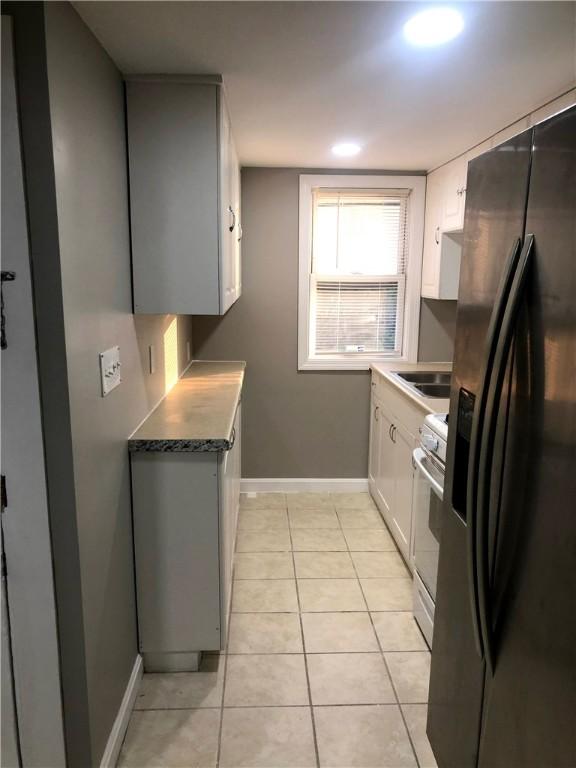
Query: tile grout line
point(385, 662)
point(311, 653)
point(314, 736)
point(278, 706)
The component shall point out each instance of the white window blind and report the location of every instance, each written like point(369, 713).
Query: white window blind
point(358, 272)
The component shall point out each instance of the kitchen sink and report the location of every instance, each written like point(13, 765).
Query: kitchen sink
point(427, 383)
point(433, 390)
point(427, 377)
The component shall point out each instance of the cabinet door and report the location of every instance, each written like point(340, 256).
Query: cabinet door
point(229, 470)
point(237, 471)
point(454, 194)
point(174, 196)
point(386, 469)
point(229, 213)
point(228, 513)
point(236, 263)
point(432, 234)
point(374, 449)
point(226, 209)
point(175, 498)
point(404, 475)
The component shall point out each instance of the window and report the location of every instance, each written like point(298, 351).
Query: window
point(360, 248)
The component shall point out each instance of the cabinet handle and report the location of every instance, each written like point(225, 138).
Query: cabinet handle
point(240, 232)
point(376, 413)
point(437, 235)
point(231, 210)
point(232, 438)
point(392, 432)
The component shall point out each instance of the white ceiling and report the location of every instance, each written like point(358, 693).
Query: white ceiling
point(301, 76)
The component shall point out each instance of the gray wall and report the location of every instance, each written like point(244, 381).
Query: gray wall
point(437, 330)
point(87, 113)
point(307, 424)
point(295, 424)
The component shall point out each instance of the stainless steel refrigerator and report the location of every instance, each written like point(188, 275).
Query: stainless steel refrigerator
point(503, 678)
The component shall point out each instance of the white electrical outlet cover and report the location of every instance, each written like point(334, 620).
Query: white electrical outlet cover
point(110, 369)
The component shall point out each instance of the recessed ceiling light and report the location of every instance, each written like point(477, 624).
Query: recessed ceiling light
point(433, 27)
point(346, 149)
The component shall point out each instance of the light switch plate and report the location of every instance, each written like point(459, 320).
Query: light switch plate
point(110, 369)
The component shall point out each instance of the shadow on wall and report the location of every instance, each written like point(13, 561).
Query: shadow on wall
point(204, 327)
point(437, 330)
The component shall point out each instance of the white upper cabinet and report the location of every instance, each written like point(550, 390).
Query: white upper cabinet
point(454, 194)
point(444, 217)
point(446, 201)
point(231, 229)
point(432, 235)
point(184, 196)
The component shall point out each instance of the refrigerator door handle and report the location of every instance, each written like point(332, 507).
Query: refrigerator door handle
point(500, 303)
point(500, 362)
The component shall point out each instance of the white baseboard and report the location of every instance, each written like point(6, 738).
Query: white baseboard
point(112, 751)
point(299, 484)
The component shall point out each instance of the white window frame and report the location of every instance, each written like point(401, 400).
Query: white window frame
point(411, 320)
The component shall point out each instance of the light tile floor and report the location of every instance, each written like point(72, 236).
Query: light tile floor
point(325, 665)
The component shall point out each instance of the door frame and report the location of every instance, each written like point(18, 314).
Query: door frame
point(31, 601)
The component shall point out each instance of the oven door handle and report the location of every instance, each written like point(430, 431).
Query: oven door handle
point(419, 456)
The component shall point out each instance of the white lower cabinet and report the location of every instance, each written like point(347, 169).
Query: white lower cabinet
point(393, 426)
point(403, 479)
point(375, 431)
point(229, 481)
point(185, 509)
point(385, 474)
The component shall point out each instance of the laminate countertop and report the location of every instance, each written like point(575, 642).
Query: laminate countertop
point(198, 412)
point(427, 404)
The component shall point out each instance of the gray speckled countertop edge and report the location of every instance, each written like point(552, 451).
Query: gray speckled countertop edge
point(179, 446)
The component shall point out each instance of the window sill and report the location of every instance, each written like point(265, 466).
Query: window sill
point(348, 365)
